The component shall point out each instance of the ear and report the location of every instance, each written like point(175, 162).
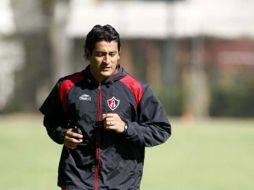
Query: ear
point(87, 54)
point(119, 52)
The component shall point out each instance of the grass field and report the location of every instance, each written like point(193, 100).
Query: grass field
point(208, 155)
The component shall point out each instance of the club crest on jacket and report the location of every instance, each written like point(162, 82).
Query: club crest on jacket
point(113, 103)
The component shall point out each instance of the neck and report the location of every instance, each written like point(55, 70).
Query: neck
point(98, 78)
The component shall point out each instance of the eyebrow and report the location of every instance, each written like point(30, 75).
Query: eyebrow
point(101, 51)
point(104, 52)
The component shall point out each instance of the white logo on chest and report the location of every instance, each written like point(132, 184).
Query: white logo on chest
point(85, 97)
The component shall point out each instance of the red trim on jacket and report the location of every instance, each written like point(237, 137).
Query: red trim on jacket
point(135, 87)
point(65, 87)
point(99, 122)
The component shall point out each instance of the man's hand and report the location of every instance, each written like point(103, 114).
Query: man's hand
point(72, 139)
point(112, 121)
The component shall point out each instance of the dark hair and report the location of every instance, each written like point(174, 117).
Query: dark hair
point(100, 33)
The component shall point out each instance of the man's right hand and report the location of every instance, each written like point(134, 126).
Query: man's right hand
point(72, 139)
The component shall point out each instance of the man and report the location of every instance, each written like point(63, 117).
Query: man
point(105, 118)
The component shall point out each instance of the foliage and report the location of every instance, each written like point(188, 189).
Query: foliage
point(171, 99)
point(234, 99)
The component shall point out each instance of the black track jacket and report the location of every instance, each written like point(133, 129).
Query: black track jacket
point(105, 159)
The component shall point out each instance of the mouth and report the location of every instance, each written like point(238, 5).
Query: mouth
point(105, 68)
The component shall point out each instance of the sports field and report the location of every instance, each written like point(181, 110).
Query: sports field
point(216, 154)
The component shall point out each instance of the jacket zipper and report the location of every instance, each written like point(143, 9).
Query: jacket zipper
point(99, 122)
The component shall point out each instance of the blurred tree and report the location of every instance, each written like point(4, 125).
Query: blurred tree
point(31, 25)
point(41, 27)
point(169, 66)
point(196, 94)
point(60, 43)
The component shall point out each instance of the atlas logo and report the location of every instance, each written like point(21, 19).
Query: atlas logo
point(113, 103)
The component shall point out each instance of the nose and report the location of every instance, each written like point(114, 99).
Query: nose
point(106, 59)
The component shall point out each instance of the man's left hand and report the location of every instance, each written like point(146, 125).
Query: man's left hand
point(112, 121)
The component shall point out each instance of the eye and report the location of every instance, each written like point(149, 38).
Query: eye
point(99, 54)
point(112, 54)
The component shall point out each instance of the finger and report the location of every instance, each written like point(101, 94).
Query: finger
point(74, 135)
point(104, 115)
point(76, 141)
point(108, 115)
point(111, 114)
point(77, 135)
point(73, 140)
point(110, 123)
point(110, 127)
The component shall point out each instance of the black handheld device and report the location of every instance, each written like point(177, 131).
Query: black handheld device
point(75, 129)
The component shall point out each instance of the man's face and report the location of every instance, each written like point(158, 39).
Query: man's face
point(104, 59)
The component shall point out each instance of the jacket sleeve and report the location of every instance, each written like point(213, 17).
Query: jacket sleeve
point(54, 116)
point(152, 127)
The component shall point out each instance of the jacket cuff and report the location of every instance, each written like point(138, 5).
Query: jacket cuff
point(131, 134)
point(60, 134)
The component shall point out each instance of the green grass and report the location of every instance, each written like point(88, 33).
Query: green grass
point(206, 155)
point(28, 158)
